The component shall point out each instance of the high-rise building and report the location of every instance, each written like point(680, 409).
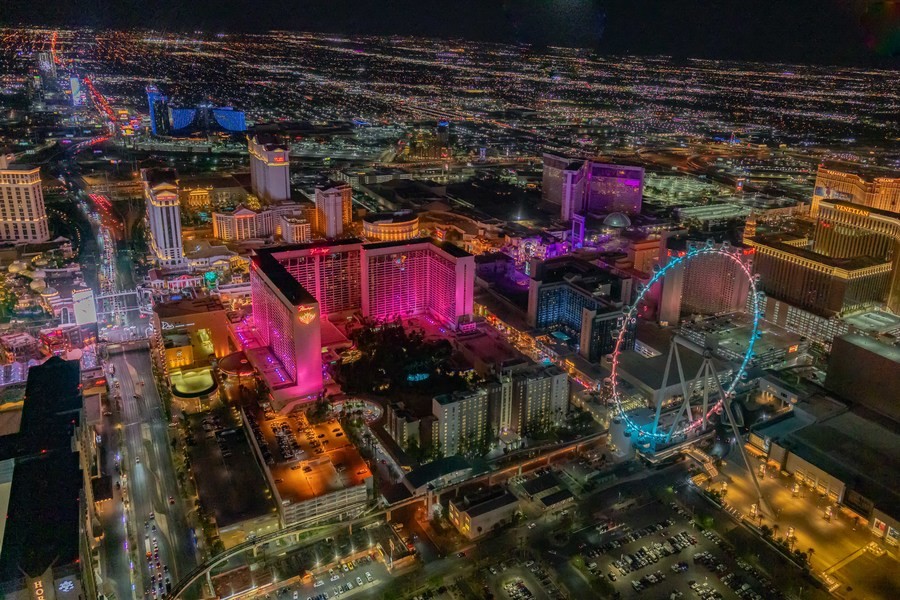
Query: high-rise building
point(23, 217)
point(334, 206)
point(613, 188)
point(527, 397)
point(158, 108)
point(384, 280)
point(817, 283)
point(286, 317)
point(578, 186)
point(77, 95)
point(295, 229)
point(707, 285)
point(575, 298)
point(414, 277)
point(461, 421)
point(846, 230)
point(169, 119)
point(563, 184)
point(163, 215)
point(270, 160)
point(882, 193)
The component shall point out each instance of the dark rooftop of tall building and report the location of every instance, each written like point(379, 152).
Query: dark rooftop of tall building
point(42, 520)
point(188, 306)
point(295, 293)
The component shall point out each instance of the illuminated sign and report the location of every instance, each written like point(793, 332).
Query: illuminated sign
point(306, 314)
point(320, 251)
point(278, 159)
point(793, 348)
point(85, 308)
point(38, 590)
point(169, 326)
point(851, 210)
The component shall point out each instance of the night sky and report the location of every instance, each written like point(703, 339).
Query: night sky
point(811, 31)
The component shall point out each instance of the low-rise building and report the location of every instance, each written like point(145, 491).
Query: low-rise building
point(245, 223)
point(483, 513)
point(210, 192)
point(315, 472)
point(840, 455)
point(391, 227)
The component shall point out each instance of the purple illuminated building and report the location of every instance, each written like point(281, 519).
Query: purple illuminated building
point(588, 187)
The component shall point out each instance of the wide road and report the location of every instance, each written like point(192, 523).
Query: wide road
point(147, 458)
point(115, 567)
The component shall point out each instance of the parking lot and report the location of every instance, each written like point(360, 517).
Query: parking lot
point(669, 558)
point(521, 579)
point(346, 578)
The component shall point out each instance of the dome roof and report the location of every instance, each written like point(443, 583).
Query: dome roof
point(617, 220)
point(49, 292)
point(38, 284)
point(17, 266)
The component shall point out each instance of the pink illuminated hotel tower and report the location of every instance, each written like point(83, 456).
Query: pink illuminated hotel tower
point(293, 287)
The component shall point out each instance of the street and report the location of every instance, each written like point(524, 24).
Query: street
point(149, 480)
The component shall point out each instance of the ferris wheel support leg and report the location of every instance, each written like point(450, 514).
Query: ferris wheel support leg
point(726, 406)
point(659, 403)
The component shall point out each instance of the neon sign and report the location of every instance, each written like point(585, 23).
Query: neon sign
point(851, 210)
point(306, 314)
point(38, 590)
point(320, 251)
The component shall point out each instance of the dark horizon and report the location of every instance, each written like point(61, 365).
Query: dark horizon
point(820, 32)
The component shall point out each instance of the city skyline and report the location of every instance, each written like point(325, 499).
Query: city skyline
point(305, 314)
point(866, 32)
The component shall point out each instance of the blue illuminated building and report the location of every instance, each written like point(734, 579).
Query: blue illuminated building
point(168, 119)
point(574, 299)
point(159, 111)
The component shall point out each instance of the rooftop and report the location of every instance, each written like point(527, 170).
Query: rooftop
point(491, 502)
point(295, 293)
point(861, 452)
point(436, 469)
point(555, 498)
point(208, 181)
point(874, 346)
point(403, 216)
point(188, 306)
point(328, 461)
point(40, 534)
point(848, 264)
point(543, 483)
point(232, 488)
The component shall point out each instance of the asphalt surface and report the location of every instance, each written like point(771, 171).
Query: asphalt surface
point(151, 481)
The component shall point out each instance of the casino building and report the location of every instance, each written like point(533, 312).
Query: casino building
point(845, 230)
point(296, 286)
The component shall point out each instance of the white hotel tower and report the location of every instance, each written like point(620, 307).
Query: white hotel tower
point(22, 214)
point(270, 161)
point(163, 216)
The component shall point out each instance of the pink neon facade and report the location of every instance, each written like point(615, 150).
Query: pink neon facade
point(293, 287)
point(417, 277)
point(384, 280)
point(290, 330)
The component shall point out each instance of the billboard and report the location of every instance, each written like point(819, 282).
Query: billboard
point(85, 308)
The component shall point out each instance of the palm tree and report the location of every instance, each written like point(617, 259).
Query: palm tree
point(810, 552)
point(775, 528)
